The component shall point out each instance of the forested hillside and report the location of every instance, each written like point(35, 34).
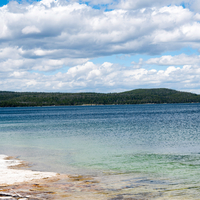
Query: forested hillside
point(138, 96)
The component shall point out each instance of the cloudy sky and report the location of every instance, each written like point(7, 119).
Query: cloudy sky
point(99, 45)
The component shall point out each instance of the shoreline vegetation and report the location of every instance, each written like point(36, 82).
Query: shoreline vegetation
point(138, 96)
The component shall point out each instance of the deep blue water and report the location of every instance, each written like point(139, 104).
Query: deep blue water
point(160, 141)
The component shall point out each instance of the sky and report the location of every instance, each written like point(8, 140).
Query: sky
point(99, 45)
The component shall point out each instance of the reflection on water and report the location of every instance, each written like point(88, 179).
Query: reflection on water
point(135, 151)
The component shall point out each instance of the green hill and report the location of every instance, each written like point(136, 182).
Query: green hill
point(138, 96)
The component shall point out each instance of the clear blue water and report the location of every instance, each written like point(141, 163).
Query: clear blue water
point(151, 141)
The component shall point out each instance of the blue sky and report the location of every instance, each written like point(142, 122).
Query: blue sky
point(99, 46)
point(5, 2)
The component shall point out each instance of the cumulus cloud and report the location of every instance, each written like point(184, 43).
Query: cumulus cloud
point(30, 29)
point(195, 5)
point(14, 58)
point(51, 34)
point(83, 32)
point(138, 4)
point(106, 77)
point(181, 59)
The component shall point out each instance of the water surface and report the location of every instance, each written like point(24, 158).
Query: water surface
point(156, 146)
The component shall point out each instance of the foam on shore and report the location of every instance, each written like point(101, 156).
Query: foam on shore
point(11, 176)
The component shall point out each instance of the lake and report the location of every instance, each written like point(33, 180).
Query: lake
point(153, 147)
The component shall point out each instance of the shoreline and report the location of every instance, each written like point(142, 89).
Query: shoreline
point(17, 182)
point(137, 96)
point(11, 172)
point(93, 105)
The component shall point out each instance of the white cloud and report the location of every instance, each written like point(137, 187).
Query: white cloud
point(138, 4)
point(48, 3)
point(80, 31)
point(52, 34)
point(30, 30)
point(195, 5)
point(181, 59)
point(15, 58)
point(110, 76)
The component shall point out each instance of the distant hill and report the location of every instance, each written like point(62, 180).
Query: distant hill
point(138, 96)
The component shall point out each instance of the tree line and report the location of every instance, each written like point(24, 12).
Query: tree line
point(138, 96)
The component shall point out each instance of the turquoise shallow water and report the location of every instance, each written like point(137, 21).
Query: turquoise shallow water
point(156, 142)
